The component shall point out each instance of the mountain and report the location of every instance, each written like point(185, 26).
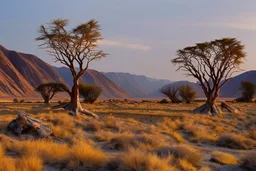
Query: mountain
point(137, 86)
point(21, 73)
point(110, 89)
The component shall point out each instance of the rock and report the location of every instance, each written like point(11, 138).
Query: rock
point(24, 124)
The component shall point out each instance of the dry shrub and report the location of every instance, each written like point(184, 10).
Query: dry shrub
point(182, 151)
point(29, 163)
point(185, 165)
point(93, 125)
point(199, 134)
point(248, 161)
point(135, 159)
point(86, 154)
point(223, 158)
point(235, 141)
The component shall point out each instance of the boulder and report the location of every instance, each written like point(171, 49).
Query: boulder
point(24, 124)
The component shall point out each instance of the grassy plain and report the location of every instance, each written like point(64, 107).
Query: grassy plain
point(132, 136)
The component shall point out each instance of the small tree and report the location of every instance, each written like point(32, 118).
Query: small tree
point(248, 90)
point(187, 93)
point(48, 90)
point(212, 64)
point(171, 91)
point(90, 93)
point(75, 47)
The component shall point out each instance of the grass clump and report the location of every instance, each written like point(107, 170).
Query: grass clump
point(29, 163)
point(223, 158)
point(182, 151)
point(86, 154)
point(235, 141)
point(163, 101)
point(135, 159)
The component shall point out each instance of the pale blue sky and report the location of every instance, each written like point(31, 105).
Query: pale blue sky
point(141, 36)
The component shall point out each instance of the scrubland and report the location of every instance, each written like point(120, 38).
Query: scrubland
point(132, 136)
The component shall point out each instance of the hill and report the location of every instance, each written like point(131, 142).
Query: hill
point(110, 89)
point(138, 86)
point(21, 73)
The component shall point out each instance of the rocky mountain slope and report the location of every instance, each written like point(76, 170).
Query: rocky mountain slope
point(21, 73)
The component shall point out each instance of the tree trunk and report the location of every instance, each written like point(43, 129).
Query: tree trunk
point(46, 101)
point(75, 106)
point(210, 108)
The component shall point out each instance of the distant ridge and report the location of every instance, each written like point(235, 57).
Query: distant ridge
point(110, 89)
point(138, 86)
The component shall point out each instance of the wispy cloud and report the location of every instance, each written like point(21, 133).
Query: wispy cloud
point(245, 21)
point(125, 45)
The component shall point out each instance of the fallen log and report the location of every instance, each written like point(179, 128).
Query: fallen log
point(230, 108)
point(24, 124)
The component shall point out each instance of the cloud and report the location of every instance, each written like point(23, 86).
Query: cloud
point(125, 45)
point(245, 21)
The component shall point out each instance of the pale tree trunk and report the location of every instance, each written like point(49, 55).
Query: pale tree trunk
point(75, 106)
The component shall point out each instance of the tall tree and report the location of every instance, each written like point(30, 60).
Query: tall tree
point(49, 90)
point(212, 64)
point(74, 48)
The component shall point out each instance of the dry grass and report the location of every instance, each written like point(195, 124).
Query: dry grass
point(235, 141)
point(184, 152)
point(223, 158)
point(86, 154)
point(248, 161)
point(129, 139)
point(137, 160)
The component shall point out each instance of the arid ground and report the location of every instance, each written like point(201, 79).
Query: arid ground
point(131, 136)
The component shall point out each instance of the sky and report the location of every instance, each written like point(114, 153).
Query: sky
point(140, 36)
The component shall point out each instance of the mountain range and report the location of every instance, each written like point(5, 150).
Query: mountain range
point(20, 73)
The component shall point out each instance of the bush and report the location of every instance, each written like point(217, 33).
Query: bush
point(248, 90)
point(22, 101)
point(163, 101)
point(16, 100)
point(187, 93)
point(90, 93)
point(171, 91)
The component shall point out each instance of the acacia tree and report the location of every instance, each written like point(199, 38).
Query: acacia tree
point(212, 64)
point(74, 48)
point(48, 90)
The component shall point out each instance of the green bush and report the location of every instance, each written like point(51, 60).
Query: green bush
point(187, 93)
point(16, 100)
point(163, 101)
point(90, 93)
point(248, 90)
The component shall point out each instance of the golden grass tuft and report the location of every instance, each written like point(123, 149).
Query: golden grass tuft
point(85, 153)
point(235, 141)
point(29, 163)
point(182, 151)
point(93, 125)
point(185, 165)
point(7, 164)
point(223, 158)
point(135, 159)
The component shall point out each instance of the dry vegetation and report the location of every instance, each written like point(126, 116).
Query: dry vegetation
point(131, 135)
